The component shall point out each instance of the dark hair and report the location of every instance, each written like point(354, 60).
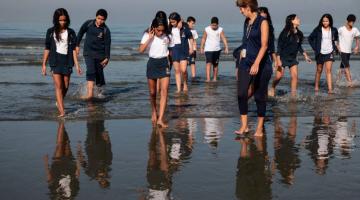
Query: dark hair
point(60, 12)
point(289, 29)
point(215, 20)
point(253, 4)
point(174, 16)
point(351, 18)
point(266, 11)
point(326, 16)
point(162, 15)
point(191, 19)
point(102, 12)
point(159, 22)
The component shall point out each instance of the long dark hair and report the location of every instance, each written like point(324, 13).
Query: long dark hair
point(266, 11)
point(159, 22)
point(60, 12)
point(174, 16)
point(289, 29)
point(162, 15)
point(331, 21)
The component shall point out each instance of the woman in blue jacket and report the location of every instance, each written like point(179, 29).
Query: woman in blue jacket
point(323, 41)
point(60, 45)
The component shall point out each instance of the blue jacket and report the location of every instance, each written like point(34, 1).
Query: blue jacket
point(51, 46)
point(315, 39)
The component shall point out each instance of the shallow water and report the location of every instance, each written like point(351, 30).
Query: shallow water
point(196, 158)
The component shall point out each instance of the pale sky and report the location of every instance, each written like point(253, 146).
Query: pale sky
point(141, 11)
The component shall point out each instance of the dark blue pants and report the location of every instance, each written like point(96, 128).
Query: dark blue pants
point(260, 83)
point(94, 70)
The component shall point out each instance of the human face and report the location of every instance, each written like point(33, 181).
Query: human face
point(245, 10)
point(100, 20)
point(296, 21)
point(325, 22)
point(159, 31)
point(191, 24)
point(214, 26)
point(173, 23)
point(350, 24)
point(62, 21)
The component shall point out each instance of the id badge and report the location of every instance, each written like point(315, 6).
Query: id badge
point(243, 53)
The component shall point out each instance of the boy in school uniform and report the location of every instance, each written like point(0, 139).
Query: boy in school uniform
point(210, 44)
point(192, 58)
point(96, 49)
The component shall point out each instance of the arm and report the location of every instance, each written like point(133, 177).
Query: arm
point(75, 55)
point(145, 43)
point(191, 46)
point(223, 38)
point(46, 52)
point(80, 35)
point(264, 45)
point(357, 46)
point(311, 39)
point(107, 47)
point(203, 39)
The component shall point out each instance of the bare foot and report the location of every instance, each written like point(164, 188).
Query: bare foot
point(330, 92)
point(259, 133)
point(350, 85)
point(271, 92)
point(242, 131)
point(154, 119)
point(61, 115)
point(215, 80)
point(207, 81)
point(162, 124)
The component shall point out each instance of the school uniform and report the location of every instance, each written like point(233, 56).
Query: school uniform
point(180, 44)
point(346, 39)
point(96, 49)
point(212, 46)
point(157, 65)
point(61, 58)
point(289, 45)
point(323, 44)
point(192, 57)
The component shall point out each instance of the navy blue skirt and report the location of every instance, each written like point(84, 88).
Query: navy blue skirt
point(157, 68)
point(62, 65)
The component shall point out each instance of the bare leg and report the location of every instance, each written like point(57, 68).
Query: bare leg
point(244, 125)
point(90, 88)
point(193, 70)
point(59, 85)
point(183, 67)
point(66, 85)
point(208, 67)
point(278, 76)
point(328, 66)
point(294, 79)
point(259, 129)
point(152, 91)
point(215, 72)
point(319, 69)
point(164, 84)
point(177, 76)
point(348, 76)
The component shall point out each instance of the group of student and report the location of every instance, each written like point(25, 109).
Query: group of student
point(171, 42)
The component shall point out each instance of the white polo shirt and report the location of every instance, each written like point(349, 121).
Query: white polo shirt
point(213, 39)
point(346, 38)
point(158, 47)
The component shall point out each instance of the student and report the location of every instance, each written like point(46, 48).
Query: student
point(191, 22)
point(347, 33)
point(156, 41)
point(182, 44)
point(255, 65)
point(323, 41)
point(60, 51)
point(289, 44)
point(96, 49)
point(264, 12)
point(210, 44)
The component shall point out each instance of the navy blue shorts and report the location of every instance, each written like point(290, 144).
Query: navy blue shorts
point(178, 53)
point(289, 62)
point(345, 60)
point(94, 70)
point(157, 68)
point(212, 57)
point(61, 66)
point(322, 58)
point(192, 58)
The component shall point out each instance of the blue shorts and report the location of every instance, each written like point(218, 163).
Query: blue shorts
point(212, 57)
point(157, 68)
point(178, 53)
point(94, 70)
point(322, 58)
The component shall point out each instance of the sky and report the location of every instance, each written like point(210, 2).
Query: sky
point(129, 12)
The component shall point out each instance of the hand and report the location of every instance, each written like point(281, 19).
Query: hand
point(226, 50)
point(191, 51)
point(104, 62)
point(356, 50)
point(151, 34)
point(79, 70)
point(308, 59)
point(43, 70)
point(202, 51)
point(279, 63)
point(77, 50)
point(254, 69)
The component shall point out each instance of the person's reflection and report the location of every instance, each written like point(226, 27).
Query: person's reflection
point(253, 178)
point(158, 175)
point(320, 141)
point(99, 155)
point(286, 153)
point(64, 171)
point(213, 130)
point(344, 137)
